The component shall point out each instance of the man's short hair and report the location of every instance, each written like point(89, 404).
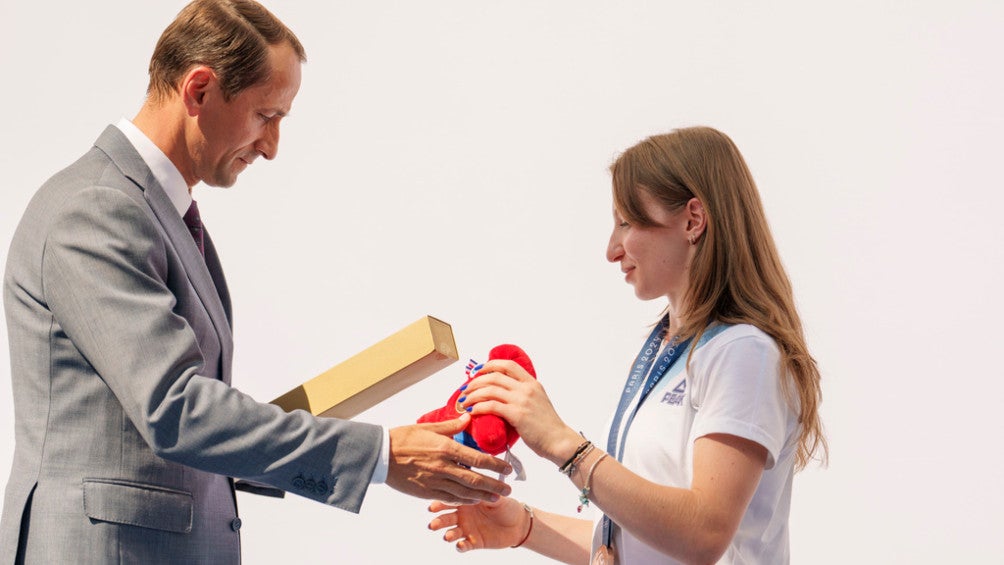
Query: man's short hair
point(232, 37)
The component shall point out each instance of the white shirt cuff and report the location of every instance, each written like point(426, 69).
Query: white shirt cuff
point(380, 472)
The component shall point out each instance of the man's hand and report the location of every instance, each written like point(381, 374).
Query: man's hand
point(426, 462)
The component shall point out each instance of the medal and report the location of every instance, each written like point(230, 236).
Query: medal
point(603, 556)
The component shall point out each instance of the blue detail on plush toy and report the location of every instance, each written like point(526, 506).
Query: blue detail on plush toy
point(466, 439)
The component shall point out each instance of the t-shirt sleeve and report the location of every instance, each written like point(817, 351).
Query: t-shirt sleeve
point(736, 390)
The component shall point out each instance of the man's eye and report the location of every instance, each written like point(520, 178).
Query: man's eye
point(264, 117)
point(622, 225)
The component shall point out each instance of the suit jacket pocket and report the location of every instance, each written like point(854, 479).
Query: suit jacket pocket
point(138, 504)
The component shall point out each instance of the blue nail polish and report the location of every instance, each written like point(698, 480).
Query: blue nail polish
point(468, 408)
point(462, 399)
point(463, 386)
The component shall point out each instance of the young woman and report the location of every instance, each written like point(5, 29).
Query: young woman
point(719, 409)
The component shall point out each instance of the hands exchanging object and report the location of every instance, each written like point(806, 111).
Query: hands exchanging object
point(426, 462)
point(506, 389)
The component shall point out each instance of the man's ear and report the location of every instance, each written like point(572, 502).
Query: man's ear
point(195, 85)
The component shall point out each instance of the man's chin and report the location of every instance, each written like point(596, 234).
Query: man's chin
point(230, 177)
point(221, 182)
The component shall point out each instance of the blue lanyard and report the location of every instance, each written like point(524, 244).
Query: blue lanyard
point(642, 364)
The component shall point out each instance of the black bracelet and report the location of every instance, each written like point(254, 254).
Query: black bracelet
point(567, 467)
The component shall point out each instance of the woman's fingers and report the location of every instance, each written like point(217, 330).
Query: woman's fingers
point(506, 367)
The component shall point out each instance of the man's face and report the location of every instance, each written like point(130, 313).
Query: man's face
point(234, 133)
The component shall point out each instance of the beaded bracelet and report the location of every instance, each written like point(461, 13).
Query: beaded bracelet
point(582, 457)
point(530, 529)
point(584, 494)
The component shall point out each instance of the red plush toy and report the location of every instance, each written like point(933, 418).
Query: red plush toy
point(486, 432)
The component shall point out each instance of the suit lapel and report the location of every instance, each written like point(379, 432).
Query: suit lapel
point(220, 283)
point(118, 148)
point(216, 272)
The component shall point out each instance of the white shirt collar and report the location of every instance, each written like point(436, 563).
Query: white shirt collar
point(163, 169)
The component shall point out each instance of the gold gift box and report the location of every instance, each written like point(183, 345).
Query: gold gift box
point(377, 372)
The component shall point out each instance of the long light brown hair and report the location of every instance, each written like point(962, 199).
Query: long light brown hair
point(229, 36)
point(736, 276)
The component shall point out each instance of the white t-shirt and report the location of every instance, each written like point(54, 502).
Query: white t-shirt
point(733, 387)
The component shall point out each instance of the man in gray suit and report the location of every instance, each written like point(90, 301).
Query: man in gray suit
point(128, 432)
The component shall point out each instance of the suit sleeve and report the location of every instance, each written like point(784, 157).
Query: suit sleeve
point(105, 273)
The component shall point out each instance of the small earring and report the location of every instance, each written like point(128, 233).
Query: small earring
point(692, 239)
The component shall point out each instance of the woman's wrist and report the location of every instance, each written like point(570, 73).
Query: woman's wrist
point(567, 447)
point(529, 528)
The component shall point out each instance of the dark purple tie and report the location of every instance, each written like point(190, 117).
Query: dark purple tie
point(194, 223)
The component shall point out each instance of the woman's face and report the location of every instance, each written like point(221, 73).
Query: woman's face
point(653, 259)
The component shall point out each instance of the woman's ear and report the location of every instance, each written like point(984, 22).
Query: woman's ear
point(697, 220)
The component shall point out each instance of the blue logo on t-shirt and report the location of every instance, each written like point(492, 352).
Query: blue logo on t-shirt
point(675, 396)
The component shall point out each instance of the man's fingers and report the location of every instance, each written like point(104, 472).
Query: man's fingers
point(459, 495)
point(472, 458)
point(449, 428)
point(475, 485)
point(450, 498)
point(469, 484)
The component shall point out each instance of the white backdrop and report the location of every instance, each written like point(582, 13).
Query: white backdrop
point(449, 158)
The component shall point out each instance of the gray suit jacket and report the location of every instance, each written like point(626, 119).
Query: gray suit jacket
point(127, 430)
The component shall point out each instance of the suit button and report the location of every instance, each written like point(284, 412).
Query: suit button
point(235, 524)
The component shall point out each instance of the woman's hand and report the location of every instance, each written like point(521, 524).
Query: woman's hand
point(505, 389)
point(488, 525)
